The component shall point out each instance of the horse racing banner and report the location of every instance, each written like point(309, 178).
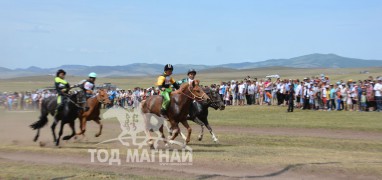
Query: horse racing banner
point(143, 137)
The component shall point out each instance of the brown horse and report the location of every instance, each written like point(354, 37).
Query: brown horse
point(93, 113)
point(178, 109)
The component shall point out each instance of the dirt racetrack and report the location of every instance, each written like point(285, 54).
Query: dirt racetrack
point(18, 150)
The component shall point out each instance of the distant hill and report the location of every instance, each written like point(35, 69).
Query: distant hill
point(144, 69)
point(309, 61)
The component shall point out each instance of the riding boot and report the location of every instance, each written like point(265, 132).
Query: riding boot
point(58, 108)
point(85, 106)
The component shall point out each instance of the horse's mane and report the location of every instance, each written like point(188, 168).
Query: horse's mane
point(185, 86)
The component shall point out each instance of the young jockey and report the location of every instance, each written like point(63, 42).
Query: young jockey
point(88, 88)
point(191, 76)
point(164, 82)
point(62, 88)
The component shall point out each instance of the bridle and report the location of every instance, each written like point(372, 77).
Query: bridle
point(212, 102)
point(195, 97)
point(99, 99)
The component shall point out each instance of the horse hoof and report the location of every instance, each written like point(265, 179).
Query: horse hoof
point(200, 138)
point(171, 142)
point(97, 135)
point(66, 138)
point(152, 147)
point(42, 144)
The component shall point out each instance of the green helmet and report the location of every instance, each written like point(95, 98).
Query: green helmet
point(93, 75)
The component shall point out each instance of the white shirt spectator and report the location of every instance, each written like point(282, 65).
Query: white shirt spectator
point(353, 91)
point(278, 86)
point(311, 93)
point(221, 89)
point(34, 97)
point(378, 89)
point(306, 92)
point(233, 86)
point(241, 88)
point(298, 90)
point(251, 89)
point(282, 88)
point(323, 92)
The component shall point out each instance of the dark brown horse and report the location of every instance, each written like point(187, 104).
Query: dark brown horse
point(178, 109)
point(67, 115)
point(93, 113)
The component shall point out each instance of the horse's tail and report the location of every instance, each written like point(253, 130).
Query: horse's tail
point(40, 123)
point(43, 118)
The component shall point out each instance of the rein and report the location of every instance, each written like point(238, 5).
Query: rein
point(200, 98)
point(100, 100)
point(78, 106)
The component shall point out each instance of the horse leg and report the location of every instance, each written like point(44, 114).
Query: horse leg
point(212, 134)
point(71, 124)
point(163, 136)
point(37, 135)
point(200, 137)
point(53, 127)
point(146, 119)
point(82, 126)
point(60, 133)
point(100, 127)
point(175, 130)
point(168, 129)
point(201, 123)
point(187, 126)
point(181, 134)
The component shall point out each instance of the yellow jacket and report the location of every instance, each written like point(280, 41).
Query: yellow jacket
point(166, 81)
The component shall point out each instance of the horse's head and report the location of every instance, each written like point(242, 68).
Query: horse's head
point(80, 95)
point(103, 97)
point(74, 95)
point(194, 91)
point(216, 101)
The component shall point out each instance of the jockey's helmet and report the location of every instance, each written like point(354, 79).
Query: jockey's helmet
point(59, 72)
point(191, 71)
point(168, 67)
point(92, 75)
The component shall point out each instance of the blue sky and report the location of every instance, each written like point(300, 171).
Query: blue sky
point(50, 33)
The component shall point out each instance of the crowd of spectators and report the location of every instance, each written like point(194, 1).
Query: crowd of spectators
point(313, 93)
point(309, 93)
point(29, 100)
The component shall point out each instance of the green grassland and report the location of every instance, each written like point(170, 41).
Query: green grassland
point(274, 116)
